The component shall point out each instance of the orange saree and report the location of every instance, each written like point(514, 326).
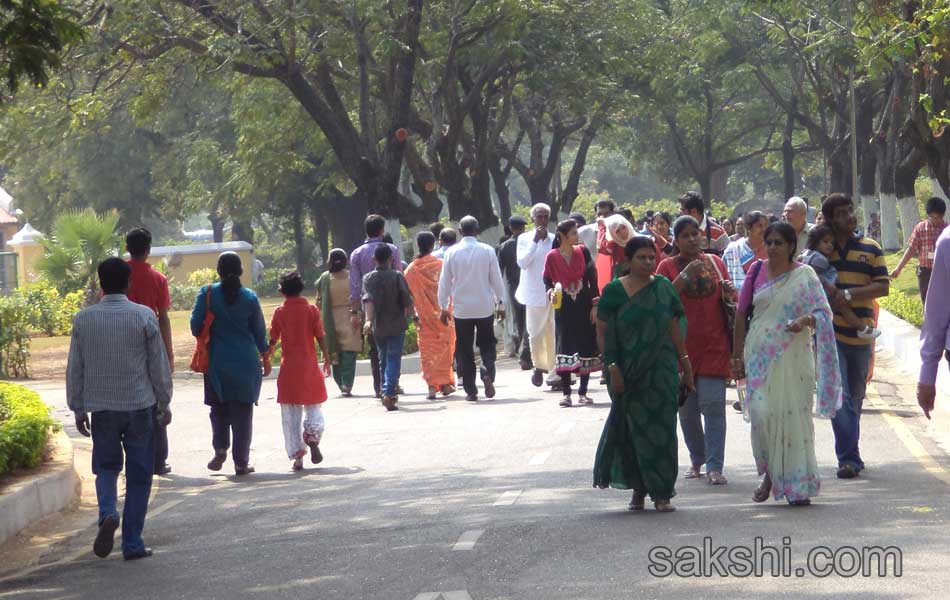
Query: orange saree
point(436, 341)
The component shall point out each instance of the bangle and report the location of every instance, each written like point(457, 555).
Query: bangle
point(684, 356)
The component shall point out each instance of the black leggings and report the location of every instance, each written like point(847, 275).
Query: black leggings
point(566, 384)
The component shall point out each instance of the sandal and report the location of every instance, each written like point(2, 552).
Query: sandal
point(431, 394)
point(585, 399)
point(637, 502)
point(716, 478)
point(448, 389)
point(764, 490)
point(693, 472)
point(565, 403)
point(298, 464)
point(663, 506)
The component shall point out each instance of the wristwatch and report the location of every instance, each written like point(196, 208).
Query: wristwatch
point(847, 295)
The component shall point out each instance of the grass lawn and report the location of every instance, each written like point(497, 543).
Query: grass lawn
point(907, 282)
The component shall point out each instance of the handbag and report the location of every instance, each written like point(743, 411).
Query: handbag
point(727, 302)
point(201, 357)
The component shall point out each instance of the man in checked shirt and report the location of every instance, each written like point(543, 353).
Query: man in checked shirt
point(118, 371)
point(923, 242)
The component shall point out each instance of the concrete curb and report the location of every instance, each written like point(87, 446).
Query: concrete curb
point(53, 489)
point(902, 339)
point(410, 366)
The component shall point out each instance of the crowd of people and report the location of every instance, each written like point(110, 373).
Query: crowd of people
point(668, 311)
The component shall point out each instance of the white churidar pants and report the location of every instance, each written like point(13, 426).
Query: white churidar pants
point(298, 434)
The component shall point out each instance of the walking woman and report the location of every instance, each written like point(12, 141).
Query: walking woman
point(661, 230)
point(436, 340)
point(640, 325)
point(787, 303)
point(343, 340)
point(612, 236)
point(233, 381)
point(701, 279)
point(570, 267)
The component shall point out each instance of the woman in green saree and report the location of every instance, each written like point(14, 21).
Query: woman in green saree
point(641, 326)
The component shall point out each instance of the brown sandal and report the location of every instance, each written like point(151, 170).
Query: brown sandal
point(637, 501)
point(764, 490)
point(664, 506)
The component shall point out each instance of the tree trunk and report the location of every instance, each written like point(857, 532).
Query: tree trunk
point(499, 179)
point(905, 178)
point(570, 192)
point(717, 186)
point(217, 227)
point(839, 171)
point(705, 186)
point(346, 215)
point(242, 230)
point(788, 151)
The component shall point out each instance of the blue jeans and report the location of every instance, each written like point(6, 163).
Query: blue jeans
point(854, 362)
point(133, 431)
point(707, 404)
point(390, 362)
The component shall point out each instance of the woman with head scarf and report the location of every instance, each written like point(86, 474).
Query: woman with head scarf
point(343, 340)
point(233, 381)
point(614, 233)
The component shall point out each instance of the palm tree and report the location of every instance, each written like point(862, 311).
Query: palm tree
point(80, 240)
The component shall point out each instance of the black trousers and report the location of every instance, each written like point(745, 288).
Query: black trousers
point(161, 445)
point(237, 419)
point(470, 333)
point(923, 282)
point(374, 364)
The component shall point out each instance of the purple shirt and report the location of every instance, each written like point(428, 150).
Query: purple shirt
point(935, 333)
point(361, 263)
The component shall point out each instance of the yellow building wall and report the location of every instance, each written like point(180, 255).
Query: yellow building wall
point(189, 263)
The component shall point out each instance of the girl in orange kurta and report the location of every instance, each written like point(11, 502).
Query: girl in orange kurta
point(301, 388)
point(436, 341)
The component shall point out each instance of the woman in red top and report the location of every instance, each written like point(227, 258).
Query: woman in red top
point(697, 276)
point(662, 236)
point(300, 386)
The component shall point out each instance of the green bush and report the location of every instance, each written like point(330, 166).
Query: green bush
point(15, 317)
point(25, 424)
point(47, 311)
point(183, 295)
point(905, 306)
point(202, 277)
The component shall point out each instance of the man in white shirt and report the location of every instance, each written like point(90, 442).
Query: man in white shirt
point(471, 281)
point(795, 214)
point(533, 247)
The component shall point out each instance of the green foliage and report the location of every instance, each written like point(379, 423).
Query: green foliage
point(50, 312)
point(15, 319)
point(905, 306)
point(183, 295)
point(25, 424)
point(79, 241)
point(202, 277)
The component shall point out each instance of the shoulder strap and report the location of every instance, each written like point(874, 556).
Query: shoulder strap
point(754, 273)
point(715, 267)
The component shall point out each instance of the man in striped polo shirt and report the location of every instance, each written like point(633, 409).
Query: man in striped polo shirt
point(862, 277)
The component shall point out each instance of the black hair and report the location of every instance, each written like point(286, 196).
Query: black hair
point(426, 242)
point(638, 242)
point(230, 270)
point(468, 226)
point(375, 224)
point(665, 216)
point(751, 218)
point(578, 218)
point(337, 260)
point(627, 214)
point(448, 237)
point(833, 202)
point(682, 223)
point(290, 284)
point(935, 205)
point(788, 234)
point(818, 233)
point(563, 228)
point(388, 238)
point(436, 228)
point(382, 253)
point(114, 274)
point(692, 201)
point(605, 204)
point(138, 242)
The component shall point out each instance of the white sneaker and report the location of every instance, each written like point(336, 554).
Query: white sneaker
point(869, 333)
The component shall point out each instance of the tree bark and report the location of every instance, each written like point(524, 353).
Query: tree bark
point(788, 151)
point(242, 230)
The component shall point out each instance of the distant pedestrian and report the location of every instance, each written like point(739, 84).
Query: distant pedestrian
point(795, 214)
point(118, 371)
point(640, 327)
point(388, 303)
point(742, 253)
point(661, 229)
point(511, 272)
point(436, 339)
point(344, 340)
point(301, 387)
point(149, 288)
point(362, 262)
point(604, 208)
point(232, 384)
point(471, 284)
point(571, 279)
point(923, 243)
point(448, 237)
point(713, 239)
point(533, 248)
point(935, 332)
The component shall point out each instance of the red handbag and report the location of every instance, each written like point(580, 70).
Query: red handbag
point(202, 356)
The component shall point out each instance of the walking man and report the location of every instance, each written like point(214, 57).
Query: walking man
point(471, 282)
point(118, 371)
point(935, 333)
point(713, 238)
point(533, 247)
point(923, 242)
point(149, 288)
point(862, 277)
point(362, 262)
point(508, 262)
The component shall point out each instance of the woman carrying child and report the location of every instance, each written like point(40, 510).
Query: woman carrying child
point(301, 387)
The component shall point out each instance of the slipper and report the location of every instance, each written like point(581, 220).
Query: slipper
point(716, 478)
point(693, 473)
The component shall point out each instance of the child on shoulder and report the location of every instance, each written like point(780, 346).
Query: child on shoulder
point(821, 245)
point(301, 387)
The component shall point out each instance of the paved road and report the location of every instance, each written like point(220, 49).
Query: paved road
point(451, 500)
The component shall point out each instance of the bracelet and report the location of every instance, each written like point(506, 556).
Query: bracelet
point(684, 356)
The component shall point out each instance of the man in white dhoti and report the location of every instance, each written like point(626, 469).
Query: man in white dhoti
point(533, 247)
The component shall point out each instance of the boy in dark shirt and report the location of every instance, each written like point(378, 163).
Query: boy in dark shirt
point(388, 304)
